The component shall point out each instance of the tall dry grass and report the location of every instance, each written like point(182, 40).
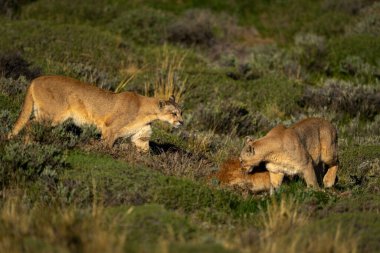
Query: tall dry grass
point(286, 228)
point(168, 75)
point(280, 217)
point(169, 78)
point(39, 227)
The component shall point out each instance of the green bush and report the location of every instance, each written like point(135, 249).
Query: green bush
point(368, 23)
point(360, 167)
point(228, 117)
point(13, 87)
point(343, 97)
point(67, 13)
point(65, 135)
point(28, 162)
point(351, 7)
point(273, 95)
point(311, 50)
point(364, 47)
point(329, 24)
point(90, 74)
point(12, 65)
point(6, 120)
point(195, 27)
point(12, 8)
point(357, 67)
point(55, 47)
point(142, 25)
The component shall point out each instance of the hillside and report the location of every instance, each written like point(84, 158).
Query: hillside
point(237, 68)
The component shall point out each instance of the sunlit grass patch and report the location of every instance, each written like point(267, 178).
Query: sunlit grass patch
point(44, 228)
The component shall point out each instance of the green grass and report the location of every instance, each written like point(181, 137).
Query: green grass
point(131, 183)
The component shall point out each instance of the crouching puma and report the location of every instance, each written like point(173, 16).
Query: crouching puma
point(126, 114)
point(299, 149)
point(230, 173)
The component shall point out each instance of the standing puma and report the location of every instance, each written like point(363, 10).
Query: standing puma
point(298, 149)
point(126, 114)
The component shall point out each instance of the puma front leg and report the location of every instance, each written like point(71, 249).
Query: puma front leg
point(275, 181)
point(108, 137)
point(309, 176)
point(141, 138)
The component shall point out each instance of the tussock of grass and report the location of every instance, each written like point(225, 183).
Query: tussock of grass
point(42, 228)
point(280, 217)
point(168, 77)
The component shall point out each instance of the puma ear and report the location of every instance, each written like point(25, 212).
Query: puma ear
point(161, 104)
point(248, 139)
point(251, 149)
point(172, 99)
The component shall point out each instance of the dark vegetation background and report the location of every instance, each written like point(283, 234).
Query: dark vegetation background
point(239, 68)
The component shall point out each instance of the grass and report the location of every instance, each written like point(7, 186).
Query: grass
point(238, 68)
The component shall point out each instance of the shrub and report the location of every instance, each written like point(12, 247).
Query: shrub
point(343, 97)
point(91, 74)
point(274, 95)
point(195, 27)
point(6, 121)
point(29, 161)
point(270, 59)
point(228, 118)
point(356, 66)
point(310, 49)
point(12, 93)
point(365, 47)
point(13, 65)
point(348, 6)
point(52, 46)
point(81, 12)
point(12, 8)
point(368, 22)
point(244, 72)
point(329, 24)
point(65, 135)
point(361, 167)
point(13, 87)
point(142, 25)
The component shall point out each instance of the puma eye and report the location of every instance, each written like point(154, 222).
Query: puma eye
point(174, 113)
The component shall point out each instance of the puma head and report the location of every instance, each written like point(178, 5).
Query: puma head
point(170, 112)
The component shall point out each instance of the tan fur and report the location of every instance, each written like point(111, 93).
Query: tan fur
point(231, 174)
point(299, 149)
point(126, 114)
